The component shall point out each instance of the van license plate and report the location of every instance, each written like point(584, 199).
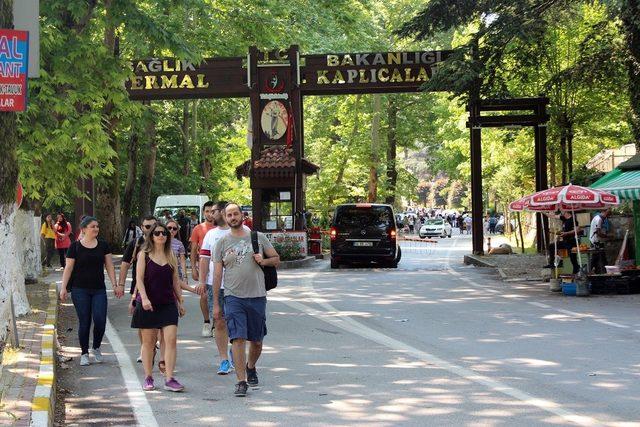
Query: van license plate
point(362, 243)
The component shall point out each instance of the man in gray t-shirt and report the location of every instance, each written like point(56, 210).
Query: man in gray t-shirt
point(245, 297)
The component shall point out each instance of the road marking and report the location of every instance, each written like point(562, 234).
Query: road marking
point(350, 325)
point(539, 304)
point(139, 403)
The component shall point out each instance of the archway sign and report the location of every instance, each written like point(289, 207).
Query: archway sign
point(275, 82)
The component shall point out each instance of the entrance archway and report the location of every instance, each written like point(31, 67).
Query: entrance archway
point(276, 82)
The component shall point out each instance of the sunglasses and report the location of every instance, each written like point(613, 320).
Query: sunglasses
point(172, 228)
point(148, 226)
point(160, 233)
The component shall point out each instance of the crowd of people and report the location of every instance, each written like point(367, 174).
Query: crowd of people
point(226, 269)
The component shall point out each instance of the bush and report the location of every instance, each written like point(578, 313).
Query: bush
point(287, 250)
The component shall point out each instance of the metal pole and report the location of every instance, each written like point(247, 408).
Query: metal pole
point(476, 181)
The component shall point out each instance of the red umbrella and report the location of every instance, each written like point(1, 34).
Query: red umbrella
point(524, 204)
point(573, 198)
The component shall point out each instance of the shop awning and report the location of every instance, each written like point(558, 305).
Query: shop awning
point(624, 184)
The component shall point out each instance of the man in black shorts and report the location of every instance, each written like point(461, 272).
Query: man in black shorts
point(245, 297)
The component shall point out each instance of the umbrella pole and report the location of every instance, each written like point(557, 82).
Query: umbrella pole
point(575, 231)
point(555, 252)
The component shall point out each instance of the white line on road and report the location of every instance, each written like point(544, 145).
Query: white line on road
point(539, 304)
point(139, 403)
point(350, 325)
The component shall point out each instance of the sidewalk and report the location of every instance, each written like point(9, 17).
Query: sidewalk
point(27, 375)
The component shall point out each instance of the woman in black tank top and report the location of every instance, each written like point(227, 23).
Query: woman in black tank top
point(159, 304)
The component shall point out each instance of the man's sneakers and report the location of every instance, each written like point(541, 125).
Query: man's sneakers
point(252, 376)
point(241, 389)
point(225, 367)
point(97, 355)
point(84, 360)
point(206, 330)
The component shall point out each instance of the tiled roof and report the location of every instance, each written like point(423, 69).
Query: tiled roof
point(276, 156)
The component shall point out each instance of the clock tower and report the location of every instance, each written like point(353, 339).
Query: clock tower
point(277, 169)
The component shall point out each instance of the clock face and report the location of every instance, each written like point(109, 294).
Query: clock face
point(274, 120)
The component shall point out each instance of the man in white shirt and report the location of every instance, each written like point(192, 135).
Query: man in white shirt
point(206, 283)
point(597, 234)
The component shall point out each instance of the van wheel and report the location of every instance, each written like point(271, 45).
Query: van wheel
point(398, 257)
point(334, 263)
point(392, 264)
point(449, 236)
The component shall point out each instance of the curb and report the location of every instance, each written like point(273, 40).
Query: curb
point(477, 261)
point(43, 403)
point(298, 263)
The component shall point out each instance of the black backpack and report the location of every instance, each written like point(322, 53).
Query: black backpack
point(270, 273)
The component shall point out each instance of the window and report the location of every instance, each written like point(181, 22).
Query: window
point(279, 211)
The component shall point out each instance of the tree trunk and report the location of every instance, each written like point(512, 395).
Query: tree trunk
point(392, 145)
point(132, 172)
point(563, 156)
point(148, 165)
point(570, 149)
point(552, 168)
point(11, 273)
point(374, 158)
point(108, 190)
point(184, 131)
point(345, 158)
point(631, 25)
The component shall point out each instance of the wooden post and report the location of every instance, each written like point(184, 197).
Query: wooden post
point(476, 180)
point(636, 230)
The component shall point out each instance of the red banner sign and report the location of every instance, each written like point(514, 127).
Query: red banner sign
point(14, 54)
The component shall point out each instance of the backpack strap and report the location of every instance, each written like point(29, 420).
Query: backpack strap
point(254, 242)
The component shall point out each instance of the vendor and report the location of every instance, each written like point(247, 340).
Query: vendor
point(566, 240)
point(597, 236)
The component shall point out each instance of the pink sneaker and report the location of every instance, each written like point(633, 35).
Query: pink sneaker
point(173, 385)
point(148, 384)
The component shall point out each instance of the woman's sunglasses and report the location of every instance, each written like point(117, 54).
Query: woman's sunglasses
point(160, 233)
point(173, 228)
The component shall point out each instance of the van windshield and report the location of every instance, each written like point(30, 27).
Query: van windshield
point(434, 222)
point(354, 216)
point(174, 210)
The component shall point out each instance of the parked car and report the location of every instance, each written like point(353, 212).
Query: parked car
point(364, 232)
point(435, 227)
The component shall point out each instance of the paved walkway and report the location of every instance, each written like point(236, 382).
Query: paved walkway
point(24, 372)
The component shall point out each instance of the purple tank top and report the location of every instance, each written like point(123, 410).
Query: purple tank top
point(158, 282)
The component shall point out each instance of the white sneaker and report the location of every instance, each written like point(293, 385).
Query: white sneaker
point(206, 330)
point(84, 360)
point(97, 355)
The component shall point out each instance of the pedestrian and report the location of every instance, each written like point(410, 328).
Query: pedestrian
point(179, 252)
point(597, 236)
point(48, 233)
point(245, 297)
point(248, 221)
point(159, 304)
point(209, 243)
point(166, 216)
point(132, 233)
point(567, 241)
point(63, 241)
point(83, 276)
point(129, 259)
point(411, 222)
point(197, 236)
point(468, 223)
point(184, 224)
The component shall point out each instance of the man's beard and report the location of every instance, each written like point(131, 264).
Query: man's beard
point(236, 225)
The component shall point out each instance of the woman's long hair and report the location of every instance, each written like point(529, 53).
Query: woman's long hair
point(62, 223)
point(147, 246)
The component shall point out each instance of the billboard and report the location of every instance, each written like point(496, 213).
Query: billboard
point(14, 55)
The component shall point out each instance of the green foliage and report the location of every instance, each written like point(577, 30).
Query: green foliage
point(288, 250)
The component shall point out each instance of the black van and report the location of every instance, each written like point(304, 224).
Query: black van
point(364, 232)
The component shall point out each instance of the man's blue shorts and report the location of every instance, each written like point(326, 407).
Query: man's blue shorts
point(246, 317)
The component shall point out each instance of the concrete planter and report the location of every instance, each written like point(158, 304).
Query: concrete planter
point(554, 285)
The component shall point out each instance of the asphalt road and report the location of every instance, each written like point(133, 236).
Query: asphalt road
point(431, 343)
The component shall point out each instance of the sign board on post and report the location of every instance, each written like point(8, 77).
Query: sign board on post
point(298, 238)
point(14, 55)
point(26, 17)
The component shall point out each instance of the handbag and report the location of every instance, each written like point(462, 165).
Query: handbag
point(270, 272)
